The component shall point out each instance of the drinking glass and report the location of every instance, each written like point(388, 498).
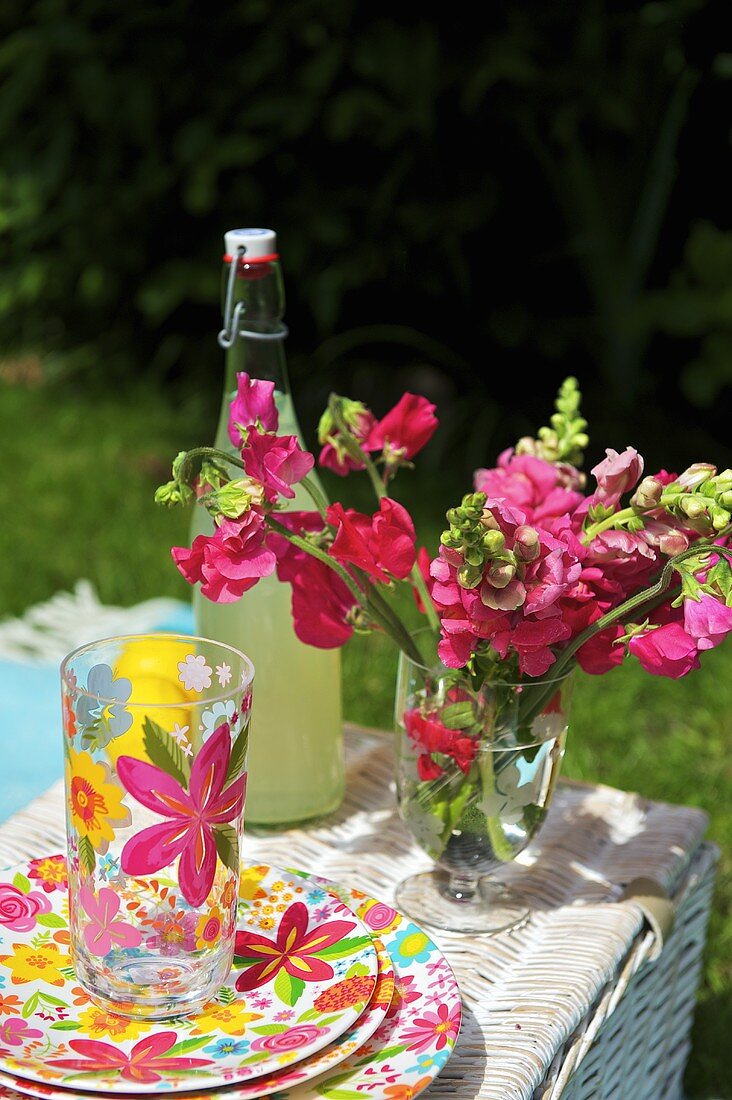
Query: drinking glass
point(156, 729)
point(476, 770)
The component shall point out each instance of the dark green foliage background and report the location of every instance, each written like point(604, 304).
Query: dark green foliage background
point(463, 203)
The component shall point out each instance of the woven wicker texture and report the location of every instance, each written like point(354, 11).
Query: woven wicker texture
point(566, 1005)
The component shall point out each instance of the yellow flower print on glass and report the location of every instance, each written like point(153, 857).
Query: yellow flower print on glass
point(94, 801)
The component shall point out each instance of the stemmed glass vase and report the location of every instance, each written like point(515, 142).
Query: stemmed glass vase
point(477, 767)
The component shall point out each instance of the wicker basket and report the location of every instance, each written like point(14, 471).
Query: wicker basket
point(633, 1044)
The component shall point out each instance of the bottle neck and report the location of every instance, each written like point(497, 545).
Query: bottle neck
point(253, 303)
point(259, 359)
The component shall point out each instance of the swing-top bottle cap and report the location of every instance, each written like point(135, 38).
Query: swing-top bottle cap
point(259, 244)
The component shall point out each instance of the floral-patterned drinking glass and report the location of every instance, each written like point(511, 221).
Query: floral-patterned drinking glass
point(155, 744)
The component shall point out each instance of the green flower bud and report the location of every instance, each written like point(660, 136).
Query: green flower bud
point(723, 481)
point(352, 413)
point(469, 576)
point(692, 507)
point(720, 518)
point(636, 523)
point(236, 497)
point(567, 438)
point(725, 499)
point(474, 556)
point(489, 522)
point(172, 494)
point(213, 474)
point(451, 539)
point(178, 464)
point(493, 541)
point(526, 446)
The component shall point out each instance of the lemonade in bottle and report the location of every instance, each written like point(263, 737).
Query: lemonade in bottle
point(296, 769)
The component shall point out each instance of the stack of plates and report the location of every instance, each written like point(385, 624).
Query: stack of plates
point(360, 1002)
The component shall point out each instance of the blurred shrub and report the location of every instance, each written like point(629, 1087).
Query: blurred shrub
point(494, 186)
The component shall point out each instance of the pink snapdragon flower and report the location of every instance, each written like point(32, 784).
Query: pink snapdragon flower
point(229, 562)
point(540, 489)
point(276, 461)
point(532, 642)
point(405, 429)
point(528, 621)
point(254, 402)
point(617, 474)
point(601, 653)
point(383, 545)
point(624, 557)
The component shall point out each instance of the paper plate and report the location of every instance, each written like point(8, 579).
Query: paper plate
point(265, 1017)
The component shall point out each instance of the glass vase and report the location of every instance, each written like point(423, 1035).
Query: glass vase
point(477, 765)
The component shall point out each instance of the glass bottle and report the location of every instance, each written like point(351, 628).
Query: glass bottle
point(296, 769)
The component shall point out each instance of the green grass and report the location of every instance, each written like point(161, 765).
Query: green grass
point(76, 501)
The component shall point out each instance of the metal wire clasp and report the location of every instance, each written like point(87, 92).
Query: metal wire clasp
point(230, 331)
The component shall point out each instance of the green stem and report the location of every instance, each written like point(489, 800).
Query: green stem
point(396, 628)
point(208, 452)
point(496, 835)
point(316, 552)
point(316, 495)
point(370, 600)
point(429, 608)
point(617, 519)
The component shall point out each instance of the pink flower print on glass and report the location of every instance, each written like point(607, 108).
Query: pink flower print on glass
point(192, 816)
point(103, 931)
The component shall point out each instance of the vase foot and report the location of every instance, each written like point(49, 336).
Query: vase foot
point(488, 908)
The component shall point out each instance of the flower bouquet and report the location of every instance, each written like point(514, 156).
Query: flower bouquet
point(537, 572)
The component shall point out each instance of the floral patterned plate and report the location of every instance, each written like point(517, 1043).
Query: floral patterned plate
point(295, 947)
point(405, 1053)
point(310, 1067)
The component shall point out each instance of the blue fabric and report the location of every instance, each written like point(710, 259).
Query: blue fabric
point(31, 751)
